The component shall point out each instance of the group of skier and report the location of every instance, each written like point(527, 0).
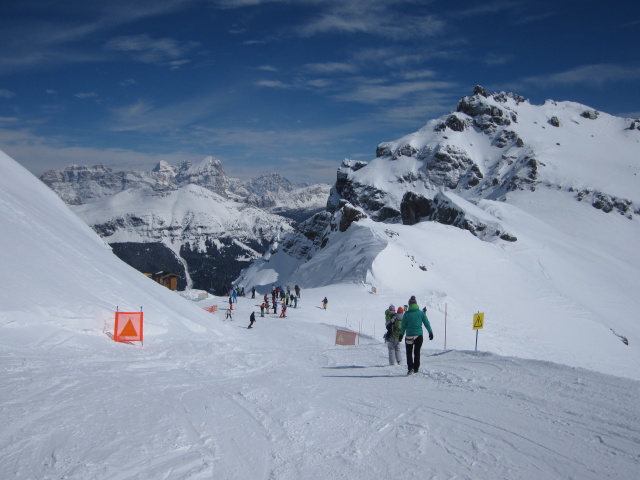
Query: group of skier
point(278, 294)
point(406, 322)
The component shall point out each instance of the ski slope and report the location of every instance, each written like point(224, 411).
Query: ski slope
point(282, 401)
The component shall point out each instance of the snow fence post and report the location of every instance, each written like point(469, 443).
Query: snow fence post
point(445, 326)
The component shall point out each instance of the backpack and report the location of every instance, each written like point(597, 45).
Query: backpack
point(396, 327)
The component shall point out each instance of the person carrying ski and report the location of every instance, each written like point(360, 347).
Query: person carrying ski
point(412, 322)
point(252, 318)
point(393, 337)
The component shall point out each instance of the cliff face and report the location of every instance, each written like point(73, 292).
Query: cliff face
point(491, 145)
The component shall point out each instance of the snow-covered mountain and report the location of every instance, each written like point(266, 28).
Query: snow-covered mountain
point(491, 146)
point(190, 220)
point(192, 232)
point(77, 185)
point(528, 212)
point(206, 398)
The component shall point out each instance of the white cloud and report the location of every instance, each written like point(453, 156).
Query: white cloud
point(4, 93)
point(374, 18)
point(272, 84)
point(497, 59)
point(384, 92)
point(589, 75)
point(85, 95)
point(331, 67)
point(158, 51)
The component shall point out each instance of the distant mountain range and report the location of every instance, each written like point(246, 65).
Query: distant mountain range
point(192, 220)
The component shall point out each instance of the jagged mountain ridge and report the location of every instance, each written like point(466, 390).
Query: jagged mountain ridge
point(192, 220)
point(80, 184)
point(493, 145)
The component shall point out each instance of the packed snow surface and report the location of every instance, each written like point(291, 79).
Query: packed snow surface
point(205, 397)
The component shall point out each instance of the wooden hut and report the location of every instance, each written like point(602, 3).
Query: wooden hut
point(169, 280)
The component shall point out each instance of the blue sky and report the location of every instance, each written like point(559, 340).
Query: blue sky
point(290, 87)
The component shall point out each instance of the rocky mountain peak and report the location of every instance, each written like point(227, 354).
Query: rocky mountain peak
point(492, 145)
point(163, 167)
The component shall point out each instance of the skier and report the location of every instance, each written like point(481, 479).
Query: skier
point(262, 309)
point(252, 318)
point(324, 303)
point(253, 292)
point(230, 302)
point(283, 313)
point(297, 289)
point(275, 307)
point(234, 295)
point(412, 322)
point(393, 338)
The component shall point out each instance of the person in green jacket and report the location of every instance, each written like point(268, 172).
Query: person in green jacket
point(412, 322)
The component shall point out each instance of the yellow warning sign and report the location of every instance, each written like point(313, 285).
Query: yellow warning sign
point(478, 321)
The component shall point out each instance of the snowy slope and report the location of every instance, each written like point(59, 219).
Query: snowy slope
point(64, 277)
point(565, 291)
point(207, 398)
point(515, 185)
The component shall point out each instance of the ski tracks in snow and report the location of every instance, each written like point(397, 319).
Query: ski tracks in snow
point(285, 403)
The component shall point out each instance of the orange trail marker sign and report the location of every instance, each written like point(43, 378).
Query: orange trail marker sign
point(128, 327)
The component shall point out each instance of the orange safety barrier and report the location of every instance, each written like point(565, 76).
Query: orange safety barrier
point(344, 337)
point(128, 327)
point(211, 309)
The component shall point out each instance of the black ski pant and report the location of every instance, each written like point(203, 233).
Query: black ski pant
point(413, 353)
